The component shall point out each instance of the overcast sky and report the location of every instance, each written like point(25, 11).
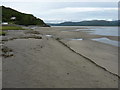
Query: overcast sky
point(56, 11)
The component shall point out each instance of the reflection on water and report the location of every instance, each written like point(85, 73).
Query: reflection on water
point(108, 31)
point(103, 40)
point(77, 39)
point(107, 41)
point(80, 39)
point(48, 35)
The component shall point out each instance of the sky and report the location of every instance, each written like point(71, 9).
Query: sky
point(56, 11)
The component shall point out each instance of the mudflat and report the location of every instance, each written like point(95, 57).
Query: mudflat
point(48, 58)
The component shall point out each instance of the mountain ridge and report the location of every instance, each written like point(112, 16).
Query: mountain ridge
point(88, 23)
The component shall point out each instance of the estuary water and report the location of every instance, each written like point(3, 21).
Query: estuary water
point(103, 30)
point(107, 31)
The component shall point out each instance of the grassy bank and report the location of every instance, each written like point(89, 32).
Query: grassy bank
point(11, 28)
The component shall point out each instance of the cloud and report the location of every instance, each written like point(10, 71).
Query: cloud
point(79, 9)
point(59, 0)
point(59, 12)
point(79, 13)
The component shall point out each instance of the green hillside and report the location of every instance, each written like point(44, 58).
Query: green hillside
point(14, 17)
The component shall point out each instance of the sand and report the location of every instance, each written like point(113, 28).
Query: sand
point(55, 62)
point(102, 54)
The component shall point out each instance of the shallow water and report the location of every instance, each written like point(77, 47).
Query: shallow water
point(108, 31)
point(108, 41)
point(100, 30)
point(76, 39)
point(103, 40)
point(48, 35)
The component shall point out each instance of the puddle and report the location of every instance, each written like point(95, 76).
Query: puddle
point(107, 41)
point(48, 35)
point(1, 44)
point(75, 39)
point(76, 30)
point(82, 29)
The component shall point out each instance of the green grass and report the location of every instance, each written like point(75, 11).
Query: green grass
point(11, 28)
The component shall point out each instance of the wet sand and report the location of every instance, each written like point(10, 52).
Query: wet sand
point(45, 58)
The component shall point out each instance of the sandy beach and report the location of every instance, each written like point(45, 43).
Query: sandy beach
point(47, 57)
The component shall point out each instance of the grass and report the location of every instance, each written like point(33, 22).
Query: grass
point(11, 28)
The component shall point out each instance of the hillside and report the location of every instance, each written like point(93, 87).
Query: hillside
point(15, 17)
point(88, 23)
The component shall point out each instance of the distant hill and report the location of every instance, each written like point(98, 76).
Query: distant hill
point(15, 17)
point(88, 23)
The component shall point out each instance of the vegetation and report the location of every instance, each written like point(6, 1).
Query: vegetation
point(14, 17)
point(6, 52)
point(11, 28)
